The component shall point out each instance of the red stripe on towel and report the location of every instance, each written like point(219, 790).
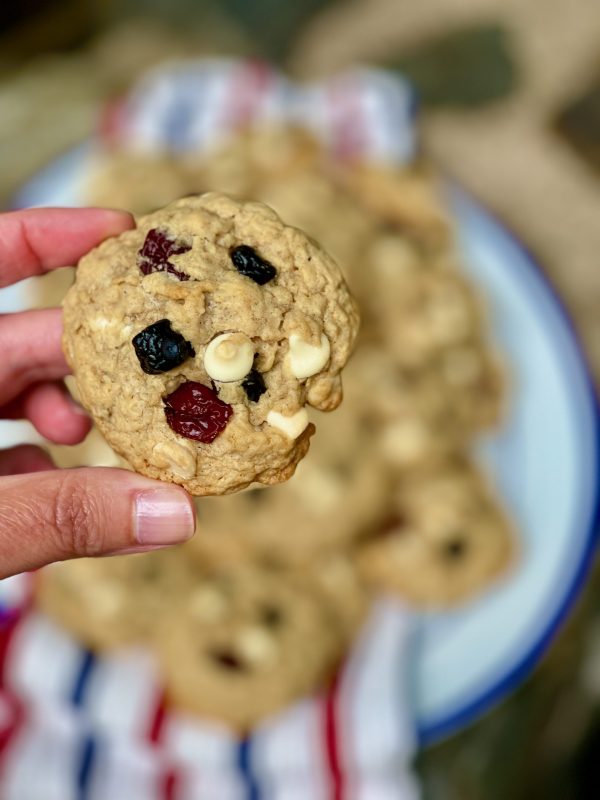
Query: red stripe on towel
point(332, 743)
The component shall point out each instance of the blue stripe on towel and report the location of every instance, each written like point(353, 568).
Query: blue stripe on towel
point(85, 767)
point(244, 762)
point(82, 678)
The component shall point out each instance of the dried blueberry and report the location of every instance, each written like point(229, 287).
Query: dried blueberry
point(247, 262)
point(193, 410)
point(159, 348)
point(156, 251)
point(454, 548)
point(254, 385)
point(271, 616)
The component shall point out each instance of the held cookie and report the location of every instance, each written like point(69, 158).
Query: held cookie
point(198, 338)
point(246, 643)
point(448, 540)
point(110, 602)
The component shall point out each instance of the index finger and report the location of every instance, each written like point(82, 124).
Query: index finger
point(40, 239)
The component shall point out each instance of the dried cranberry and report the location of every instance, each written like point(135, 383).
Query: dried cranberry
point(247, 262)
point(254, 385)
point(194, 411)
point(158, 248)
point(159, 348)
point(392, 525)
point(228, 659)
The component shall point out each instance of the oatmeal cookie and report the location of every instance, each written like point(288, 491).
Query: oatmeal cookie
point(344, 589)
point(198, 339)
point(140, 183)
point(245, 644)
point(413, 426)
point(111, 602)
point(338, 494)
point(420, 417)
point(447, 540)
point(244, 161)
point(406, 198)
point(432, 312)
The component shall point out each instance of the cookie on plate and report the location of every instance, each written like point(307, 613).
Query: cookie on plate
point(340, 492)
point(407, 198)
point(110, 602)
point(422, 416)
point(413, 425)
point(432, 312)
point(246, 643)
point(448, 539)
point(239, 165)
point(345, 591)
point(198, 339)
point(140, 183)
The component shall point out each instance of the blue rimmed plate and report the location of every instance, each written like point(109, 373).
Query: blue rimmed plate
point(545, 460)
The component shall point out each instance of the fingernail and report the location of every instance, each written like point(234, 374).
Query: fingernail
point(163, 516)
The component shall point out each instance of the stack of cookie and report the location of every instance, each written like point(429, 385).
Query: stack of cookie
point(388, 499)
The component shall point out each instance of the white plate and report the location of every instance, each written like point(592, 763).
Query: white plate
point(546, 463)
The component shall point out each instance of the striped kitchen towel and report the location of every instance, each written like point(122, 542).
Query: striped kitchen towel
point(78, 725)
point(190, 105)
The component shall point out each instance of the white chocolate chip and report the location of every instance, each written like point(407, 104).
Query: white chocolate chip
point(98, 323)
point(106, 600)
point(176, 457)
point(257, 646)
point(208, 604)
point(229, 357)
point(405, 441)
point(319, 489)
point(307, 359)
point(113, 330)
point(291, 426)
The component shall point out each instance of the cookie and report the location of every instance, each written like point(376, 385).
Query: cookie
point(243, 162)
point(111, 602)
point(339, 493)
point(313, 202)
point(429, 314)
point(198, 339)
point(245, 644)
point(447, 540)
point(473, 380)
point(420, 417)
point(413, 427)
point(344, 590)
point(407, 198)
point(140, 183)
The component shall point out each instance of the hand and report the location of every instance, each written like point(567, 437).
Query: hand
point(48, 514)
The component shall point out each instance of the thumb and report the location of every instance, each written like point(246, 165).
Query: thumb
point(60, 514)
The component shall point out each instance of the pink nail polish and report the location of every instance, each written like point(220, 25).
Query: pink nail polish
point(163, 516)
